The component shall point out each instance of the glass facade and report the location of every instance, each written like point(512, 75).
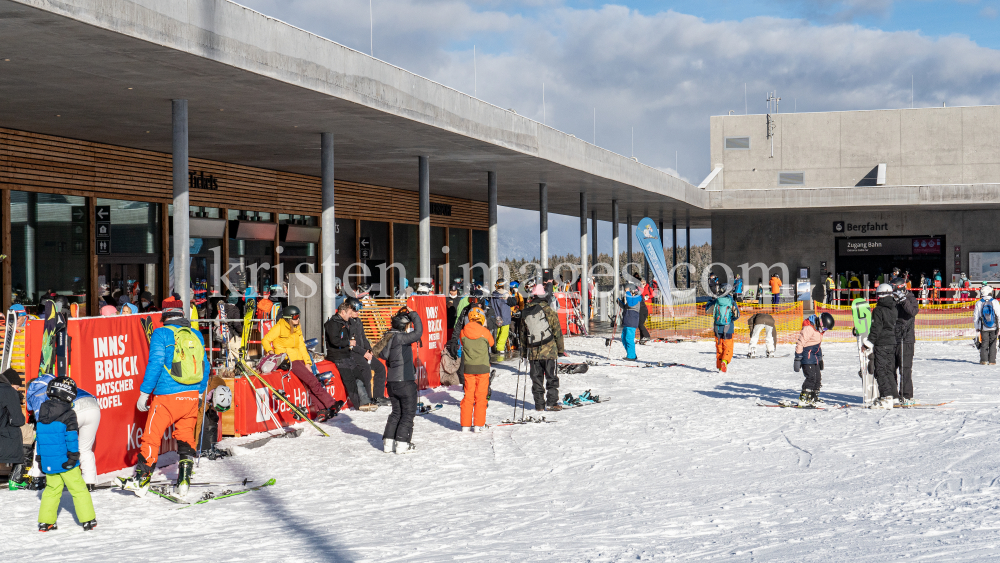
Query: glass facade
point(132, 266)
point(480, 253)
point(49, 246)
point(376, 234)
point(458, 251)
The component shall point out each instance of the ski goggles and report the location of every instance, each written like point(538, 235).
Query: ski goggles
point(295, 317)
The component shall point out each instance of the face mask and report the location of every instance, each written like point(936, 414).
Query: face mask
point(145, 303)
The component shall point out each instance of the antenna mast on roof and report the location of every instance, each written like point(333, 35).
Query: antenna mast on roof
point(771, 97)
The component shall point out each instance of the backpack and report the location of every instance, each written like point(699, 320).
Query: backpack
point(536, 326)
point(501, 310)
point(988, 314)
point(188, 366)
point(725, 312)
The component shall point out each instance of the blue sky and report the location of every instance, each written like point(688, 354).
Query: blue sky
point(663, 68)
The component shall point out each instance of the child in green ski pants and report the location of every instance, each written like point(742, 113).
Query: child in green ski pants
point(59, 456)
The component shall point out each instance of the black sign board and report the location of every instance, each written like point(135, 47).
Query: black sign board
point(102, 213)
point(79, 213)
point(366, 248)
point(440, 209)
point(103, 230)
point(103, 247)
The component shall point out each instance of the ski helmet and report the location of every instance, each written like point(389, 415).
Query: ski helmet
point(515, 284)
point(883, 290)
point(62, 389)
point(222, 398)
point(354, 303)
point(401, 320)
point(725, 289)
point(477, 314)
point(986, 290)
point(826, 321)
point(290, 312)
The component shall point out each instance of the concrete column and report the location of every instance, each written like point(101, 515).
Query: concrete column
point(543, 224)
point(662, 238)
point(182, 205)
point(687, 240)
point(593, 235)
point(424, 234)
point(491, 196)
point(628, 240)
point(584, 278)
point(328, 222)
point(615, 262)
point(675, 247)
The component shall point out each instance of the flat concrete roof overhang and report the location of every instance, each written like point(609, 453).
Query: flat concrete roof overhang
point(261, 91)
point(869, 198)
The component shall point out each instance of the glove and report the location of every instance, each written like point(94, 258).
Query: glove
point(797, 365)
point(72, 458)
point(141, 404)
point(867, 344)
point(821, 365)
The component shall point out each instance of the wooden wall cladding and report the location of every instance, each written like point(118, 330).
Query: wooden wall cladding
point(44, 163)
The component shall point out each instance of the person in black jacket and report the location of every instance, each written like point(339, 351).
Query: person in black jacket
point(396, 348)
point(906, 313)
point(882, 338)
point(11, 421)
point(349, 350)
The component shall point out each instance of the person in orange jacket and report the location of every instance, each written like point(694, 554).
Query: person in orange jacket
point(476, 344)
point(775, 289)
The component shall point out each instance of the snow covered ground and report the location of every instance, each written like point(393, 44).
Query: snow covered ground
point(679, 465)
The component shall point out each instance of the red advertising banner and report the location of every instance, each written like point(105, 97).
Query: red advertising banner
point(433, 312)
point(108, 359)
point(254, 403)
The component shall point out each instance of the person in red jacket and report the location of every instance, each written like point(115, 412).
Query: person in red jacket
point(646, 292)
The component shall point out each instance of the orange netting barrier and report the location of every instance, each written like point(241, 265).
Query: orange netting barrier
point(693, 321)
point(377, 318)
point(951, 321)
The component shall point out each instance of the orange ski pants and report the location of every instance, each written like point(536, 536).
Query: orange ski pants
point(179, 410)
point(723, 351)
point(474, 402)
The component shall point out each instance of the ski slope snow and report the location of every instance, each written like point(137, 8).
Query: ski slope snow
point(681, 464)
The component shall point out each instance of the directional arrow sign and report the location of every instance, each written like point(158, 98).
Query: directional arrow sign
point(104, 230)
point(79, 213)
point(104, 247)
point(103, 212)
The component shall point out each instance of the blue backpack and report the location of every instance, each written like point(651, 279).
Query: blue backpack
point(501, 310)
point(987, 314)
point(725, 311)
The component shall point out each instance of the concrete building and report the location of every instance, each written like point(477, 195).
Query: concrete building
point(860, 190)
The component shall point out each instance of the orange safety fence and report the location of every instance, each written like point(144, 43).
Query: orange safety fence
point(934, 322)
point(694, 322)
point(17, 350)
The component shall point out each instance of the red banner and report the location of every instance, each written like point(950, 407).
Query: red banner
point(433, 313)
point(254, 402)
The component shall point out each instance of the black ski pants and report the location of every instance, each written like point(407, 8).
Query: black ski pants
point(988, 350)
point(353, 376)
point(814, 377)
point(885, 365)
point(643, 315)
point(544, 383)
point(904, 368)
point(375, 384)
point(403, 396)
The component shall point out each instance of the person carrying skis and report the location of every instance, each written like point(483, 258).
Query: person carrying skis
point(631, 305)
point(542, 341)
point(285, 337)
point(882, 339)
point(88, 418)
point(762, 322)
point(176, 375)
point(59, 457)
point(906, 338)
point(348, 348)
point(396, 348)
point(724, 325)
point(809, 358)
point(985, 316)
point(476, 344)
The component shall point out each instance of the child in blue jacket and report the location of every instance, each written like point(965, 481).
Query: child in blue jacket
point(59, 457)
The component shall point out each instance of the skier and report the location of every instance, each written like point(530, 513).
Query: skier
point(738, 288)
point(723, 324)
point(396, 348)
point(906, 313)
point(176, 375)
point(88, 418)
point(501, 302)
point(476, 344)
point(11, 448)
point(809, 358)
point(631, 305)
point(760, 291)
point(762, 322)
point(964, 283)
point(348, 348)
point(775, 289)
point(542, 341)
point(59, 457)
point(646, 294)
point(985, 317)
point(285, 337)
point(882, 339)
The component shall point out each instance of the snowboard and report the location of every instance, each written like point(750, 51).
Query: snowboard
point(861, 313)
point(579, 367)
point(10, 332)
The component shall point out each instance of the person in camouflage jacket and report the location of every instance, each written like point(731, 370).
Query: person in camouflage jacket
point(542, 358)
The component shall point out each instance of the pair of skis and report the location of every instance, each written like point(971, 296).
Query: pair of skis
point(252, 373)
point(162, 492)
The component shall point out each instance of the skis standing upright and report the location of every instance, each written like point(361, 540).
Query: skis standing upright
point(10, 333)
point(248, 316)
point(862, 313)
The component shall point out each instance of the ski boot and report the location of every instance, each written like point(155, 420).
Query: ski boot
point(139, 482)
point(47, 527)
point(769, 354)
point(18, 479)
point(816, 401)
point(37, 484)
point(388, 445)
point(184, 469)
point(555, 407)
point(91, 487)
point(467, 429)
point(89, 525)
point(324, 415)
point(405, 447)
point(908, 402)
point(806, 398)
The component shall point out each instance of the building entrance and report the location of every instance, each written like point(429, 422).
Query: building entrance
point(877, 256)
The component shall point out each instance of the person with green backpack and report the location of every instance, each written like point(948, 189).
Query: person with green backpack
point(723, 325)
point(176, 375)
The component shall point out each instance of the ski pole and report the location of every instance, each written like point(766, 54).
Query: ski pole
point(201, 435)
point(517, 386)
point(523, 393)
